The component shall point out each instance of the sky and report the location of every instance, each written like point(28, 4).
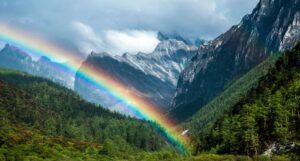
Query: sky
point(119, 26)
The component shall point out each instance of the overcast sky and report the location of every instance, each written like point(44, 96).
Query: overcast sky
point(119, 26)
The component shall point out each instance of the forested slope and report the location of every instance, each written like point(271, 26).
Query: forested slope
point(34, 108)
point(202, 121)
point(267, 118)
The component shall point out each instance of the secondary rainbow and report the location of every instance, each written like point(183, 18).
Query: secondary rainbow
point(96, 78)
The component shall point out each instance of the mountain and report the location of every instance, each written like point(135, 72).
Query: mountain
point(166, 62)
point(266, 119)
point(152, 76)
point(14, 58)
point(273, 26)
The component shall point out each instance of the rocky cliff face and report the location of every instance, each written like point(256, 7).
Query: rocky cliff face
point(14, 58)
point(152, 76)
point(272, 26)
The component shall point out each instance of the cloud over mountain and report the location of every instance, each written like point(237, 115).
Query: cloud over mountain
point(103, 24)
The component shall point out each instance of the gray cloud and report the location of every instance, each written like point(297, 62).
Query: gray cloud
point(55, 20)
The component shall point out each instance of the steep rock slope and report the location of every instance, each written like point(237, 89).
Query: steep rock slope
point(272, 26)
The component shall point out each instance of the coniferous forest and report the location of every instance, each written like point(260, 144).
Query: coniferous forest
point(33, 109)
point(265, 119)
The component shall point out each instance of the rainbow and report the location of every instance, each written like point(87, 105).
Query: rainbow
point(97, 78)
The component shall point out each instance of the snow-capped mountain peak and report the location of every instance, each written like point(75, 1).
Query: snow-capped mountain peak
point(166, 62)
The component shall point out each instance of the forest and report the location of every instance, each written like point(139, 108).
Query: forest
point(265, 119)
point(35, 108)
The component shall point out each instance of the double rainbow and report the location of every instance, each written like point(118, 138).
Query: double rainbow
point(97, 78)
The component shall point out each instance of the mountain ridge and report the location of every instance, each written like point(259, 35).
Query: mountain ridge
point(235, 52)
point(15, 58)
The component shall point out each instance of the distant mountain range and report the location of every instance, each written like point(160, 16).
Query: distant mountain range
point(273, 26)
point(14, 58)
point(152, 76)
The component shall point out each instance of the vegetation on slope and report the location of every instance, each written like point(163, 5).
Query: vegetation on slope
point(267, 118)
point(43, 121)
point(201, 122)
point(20, 142)
point(58, 112)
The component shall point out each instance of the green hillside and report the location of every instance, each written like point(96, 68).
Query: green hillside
point(199, 123)
point(41, 120)
point(36, 113)
point(267, 118)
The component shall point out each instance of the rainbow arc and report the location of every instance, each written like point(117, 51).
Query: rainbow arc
point(98, 79)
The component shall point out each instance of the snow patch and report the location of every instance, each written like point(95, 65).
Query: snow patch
point(292, 35)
